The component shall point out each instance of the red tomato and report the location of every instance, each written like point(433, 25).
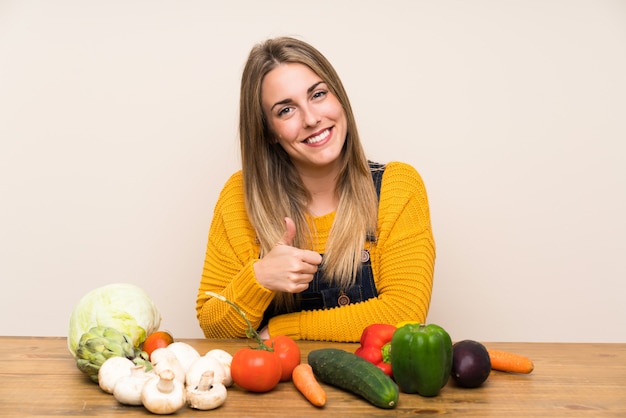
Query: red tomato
point(255, 370)
point(157, 339)
point(288, 352)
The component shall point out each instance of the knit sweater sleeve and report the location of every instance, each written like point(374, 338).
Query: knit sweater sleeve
point(228, 269)
point(402, 261)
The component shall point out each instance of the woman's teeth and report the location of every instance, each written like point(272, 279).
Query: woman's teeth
point(317, 138)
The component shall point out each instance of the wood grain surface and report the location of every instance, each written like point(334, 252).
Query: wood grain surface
point(38, 377)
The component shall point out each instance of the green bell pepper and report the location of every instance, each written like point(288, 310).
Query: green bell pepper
point(421, 358)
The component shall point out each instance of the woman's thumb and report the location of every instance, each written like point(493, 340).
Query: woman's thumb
point(290, 232)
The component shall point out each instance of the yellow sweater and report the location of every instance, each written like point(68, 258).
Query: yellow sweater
point(402, 260)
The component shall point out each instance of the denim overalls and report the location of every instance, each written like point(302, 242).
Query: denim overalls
point(320, 295)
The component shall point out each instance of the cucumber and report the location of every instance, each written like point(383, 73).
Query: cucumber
point(347, 371)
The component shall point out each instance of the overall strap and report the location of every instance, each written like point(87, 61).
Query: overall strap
point(377, 171)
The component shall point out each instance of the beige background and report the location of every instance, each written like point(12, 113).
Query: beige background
point(118, 130)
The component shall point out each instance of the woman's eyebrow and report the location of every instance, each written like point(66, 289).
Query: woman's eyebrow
point(314, 86)
point(289, 100)
point(280, 103)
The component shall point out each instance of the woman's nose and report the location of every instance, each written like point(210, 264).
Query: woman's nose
point(310, 117)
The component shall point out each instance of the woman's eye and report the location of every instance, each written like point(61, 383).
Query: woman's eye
point(284, 111)
point(319, 93)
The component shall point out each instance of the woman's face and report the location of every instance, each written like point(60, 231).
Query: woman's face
point(306, 119)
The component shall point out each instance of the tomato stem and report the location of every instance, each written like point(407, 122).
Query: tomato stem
point(250, 332)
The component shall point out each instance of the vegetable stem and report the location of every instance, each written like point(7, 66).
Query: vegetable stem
point(250, 332)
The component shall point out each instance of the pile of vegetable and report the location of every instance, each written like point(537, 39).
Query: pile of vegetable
point(115, 339)
point(180, 376)
point(421, 358)
point(412, 358)
point(261, 368)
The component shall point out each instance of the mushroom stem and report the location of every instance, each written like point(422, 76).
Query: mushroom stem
point(166, 381)
point(206, 380)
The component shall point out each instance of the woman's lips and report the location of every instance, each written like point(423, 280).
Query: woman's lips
point(318, 138)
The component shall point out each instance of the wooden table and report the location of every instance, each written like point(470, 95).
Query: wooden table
point(38, 377)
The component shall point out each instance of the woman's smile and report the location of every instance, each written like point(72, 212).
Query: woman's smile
point(318, 139)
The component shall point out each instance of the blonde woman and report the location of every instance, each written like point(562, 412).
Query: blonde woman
point(310, 239)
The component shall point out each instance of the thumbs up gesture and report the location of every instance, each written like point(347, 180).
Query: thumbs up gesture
point(287, 268)
point(290, 232)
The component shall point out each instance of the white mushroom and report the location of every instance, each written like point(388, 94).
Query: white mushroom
point(201, 365)
point(208, 394)
point(226, 359)
point(164, 395)
point(111, 370)
point(185, 353)
point(128, 388)
point(165, 359)
point(223, 356)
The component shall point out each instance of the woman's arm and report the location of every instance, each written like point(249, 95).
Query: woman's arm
point(402, 261)
point(228, 269)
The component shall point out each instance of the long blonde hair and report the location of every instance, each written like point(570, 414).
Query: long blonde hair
point(272, 186)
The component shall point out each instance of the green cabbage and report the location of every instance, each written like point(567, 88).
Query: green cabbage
point(122, 306)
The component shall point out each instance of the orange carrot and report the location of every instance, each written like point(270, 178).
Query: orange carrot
point(305, 381)
point(510, 362)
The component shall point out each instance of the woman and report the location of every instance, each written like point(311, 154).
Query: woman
point(310, 239)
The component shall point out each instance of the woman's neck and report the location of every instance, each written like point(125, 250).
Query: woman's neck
point(322, 188)
point(323, 203)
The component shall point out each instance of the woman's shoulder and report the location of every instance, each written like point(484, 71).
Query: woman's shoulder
point(234, 184)
point(236, 177)
point(400, 166)
point(232, 191)
point(402, 191)
point(402, 175)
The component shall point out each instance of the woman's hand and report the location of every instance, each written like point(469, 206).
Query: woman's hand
point(286, 268)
